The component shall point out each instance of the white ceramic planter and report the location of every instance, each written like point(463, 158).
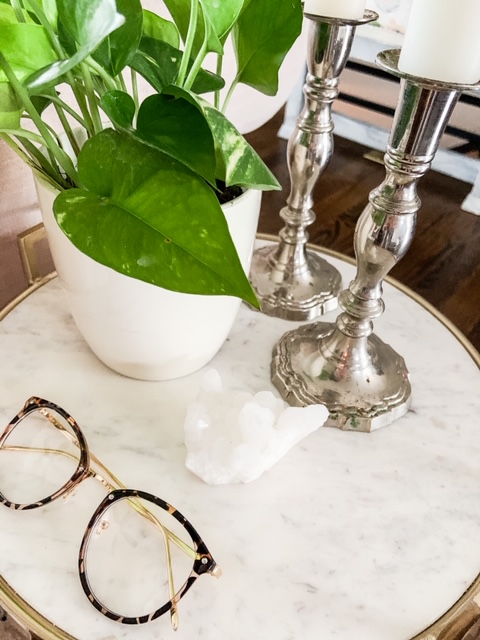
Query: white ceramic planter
point(135, 328)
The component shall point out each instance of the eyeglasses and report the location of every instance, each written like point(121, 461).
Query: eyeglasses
point(133, 515)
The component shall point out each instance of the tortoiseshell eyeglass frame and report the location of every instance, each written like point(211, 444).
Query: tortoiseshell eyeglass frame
point(203, 561)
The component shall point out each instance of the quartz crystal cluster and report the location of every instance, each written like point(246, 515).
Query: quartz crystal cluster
point(234, 436)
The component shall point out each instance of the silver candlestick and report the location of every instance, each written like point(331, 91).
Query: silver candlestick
point(362, 380)
point(291, 282)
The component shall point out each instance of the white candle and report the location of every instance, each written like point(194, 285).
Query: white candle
point(349, 9)
point(442, 41)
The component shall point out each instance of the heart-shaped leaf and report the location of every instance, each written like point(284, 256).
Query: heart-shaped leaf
point(237, 162)
point(149, 217)
point(178, 128)
point(263, 35)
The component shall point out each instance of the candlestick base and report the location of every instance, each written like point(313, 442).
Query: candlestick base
point(363, 382)
point(291, 288)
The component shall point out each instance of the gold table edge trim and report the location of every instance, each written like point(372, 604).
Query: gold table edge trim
point(458, 618)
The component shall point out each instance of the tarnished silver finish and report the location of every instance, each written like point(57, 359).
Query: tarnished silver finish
point(362, 380)
point(291, 282)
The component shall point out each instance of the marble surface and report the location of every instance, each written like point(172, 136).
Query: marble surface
point(365, 536)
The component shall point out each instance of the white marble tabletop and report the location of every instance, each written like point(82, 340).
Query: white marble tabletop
point(351, 535)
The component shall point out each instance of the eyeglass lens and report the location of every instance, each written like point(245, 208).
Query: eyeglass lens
point(38, 458)
point(138, 557)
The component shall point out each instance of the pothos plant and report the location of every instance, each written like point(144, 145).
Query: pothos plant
point(141, 195)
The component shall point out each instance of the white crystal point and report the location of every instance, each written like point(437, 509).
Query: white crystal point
point(234, 436)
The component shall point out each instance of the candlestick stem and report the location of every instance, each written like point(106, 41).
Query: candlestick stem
point(291, 282)
point(362, 380)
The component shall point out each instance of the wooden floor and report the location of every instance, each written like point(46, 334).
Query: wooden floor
point(443, 263)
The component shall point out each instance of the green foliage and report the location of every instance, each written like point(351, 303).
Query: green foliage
point(145, 197)
point(142, 198)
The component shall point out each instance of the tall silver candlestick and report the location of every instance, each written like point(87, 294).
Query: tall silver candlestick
point(362, 380)
point(291, 282)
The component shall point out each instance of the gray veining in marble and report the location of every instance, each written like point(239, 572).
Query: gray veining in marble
point(365, 536)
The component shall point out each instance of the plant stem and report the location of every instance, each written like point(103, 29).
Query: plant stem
point(33, 157)
point(44, 167)
point(218, 71)
point(79, 93)
point(232, 88)
point(42, 142)
point(38, 10)
point(17, 7)
point(121, 81)
point(17, 149)
point(23, 133)
point(60, 155)
point(197, 65)
point(92, 98)
point(68, 129)
point(133, 76)
point(65, 107)
point(99, 70)
point(187, 52)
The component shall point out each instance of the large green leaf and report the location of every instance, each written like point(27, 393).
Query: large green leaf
point(88, 22)
point(237, 162)
point(263, 35)
point(116, 50)
point(147, 216)
point(26, 48)
point(178, 128)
